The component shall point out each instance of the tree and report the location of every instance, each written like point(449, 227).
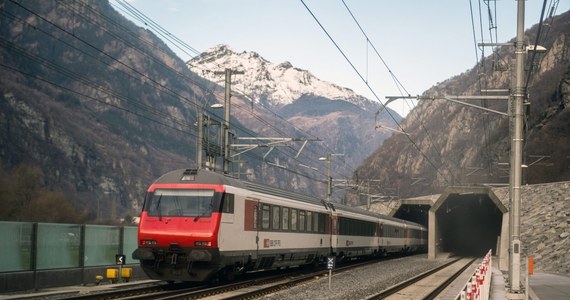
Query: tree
point(25, 198)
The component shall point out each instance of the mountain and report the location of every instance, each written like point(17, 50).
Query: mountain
point(94, 108)
point(452, 144)
point(342, 119)
point(274, 85)
point(100, 106)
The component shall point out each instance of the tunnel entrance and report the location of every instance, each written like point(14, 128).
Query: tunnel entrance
point(466, 221)
point(413, 212)
point(468, 225)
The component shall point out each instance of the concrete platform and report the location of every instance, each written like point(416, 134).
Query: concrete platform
point(549, 286)
point(498, 290)
point(542, 286)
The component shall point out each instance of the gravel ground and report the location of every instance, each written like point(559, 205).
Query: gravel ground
point(362, 282)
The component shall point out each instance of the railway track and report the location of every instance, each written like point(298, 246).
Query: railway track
point(243, 289)
point(146, 291)
point(427, 285)
point(254, 289)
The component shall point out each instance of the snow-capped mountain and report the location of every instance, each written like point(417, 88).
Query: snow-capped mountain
point(268, 83)
point(344, 121)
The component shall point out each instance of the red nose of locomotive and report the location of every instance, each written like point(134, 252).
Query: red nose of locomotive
point(178, 228)
point(177, 232)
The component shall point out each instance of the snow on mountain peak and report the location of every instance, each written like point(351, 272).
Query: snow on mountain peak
point(263, 81)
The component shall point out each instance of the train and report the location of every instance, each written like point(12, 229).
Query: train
point(199, 225)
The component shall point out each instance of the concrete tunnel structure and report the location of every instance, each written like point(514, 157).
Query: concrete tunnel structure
point(465, 221)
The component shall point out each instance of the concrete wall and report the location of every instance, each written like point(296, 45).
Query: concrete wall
point(432, 235)
point(503, 247)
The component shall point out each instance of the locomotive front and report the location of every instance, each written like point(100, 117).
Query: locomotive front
point(179, 224)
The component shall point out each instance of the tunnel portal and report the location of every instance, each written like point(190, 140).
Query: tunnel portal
point(462, 221)
point(417, 213)
point(466, 221)
point(468, 225)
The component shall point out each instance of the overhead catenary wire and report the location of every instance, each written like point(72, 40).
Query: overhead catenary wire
point(430, 162)
point(156, 27)
point(548, 22)
point(538, 32)
point(158, 85)
point(481, 70)
point(399, 85)
point(256, 116)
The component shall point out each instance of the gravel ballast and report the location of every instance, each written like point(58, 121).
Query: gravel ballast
point(361, 282)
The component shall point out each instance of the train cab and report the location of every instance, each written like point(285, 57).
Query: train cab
point(178, 227)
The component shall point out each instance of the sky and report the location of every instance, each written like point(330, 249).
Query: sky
point(417, 43)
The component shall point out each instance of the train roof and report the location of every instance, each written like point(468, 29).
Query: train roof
point(185, 176)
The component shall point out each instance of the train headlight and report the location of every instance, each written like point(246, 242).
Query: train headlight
point(148, 243)
point(202, 244)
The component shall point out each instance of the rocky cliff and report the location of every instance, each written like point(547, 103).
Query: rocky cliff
point(104, 107)
point(453, 144)
point(87, 100)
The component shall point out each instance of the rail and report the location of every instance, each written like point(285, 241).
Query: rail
point(428, 284)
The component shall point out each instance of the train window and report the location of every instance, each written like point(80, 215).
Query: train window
point(349, 226)
point(344, 226)
point(265, 217)
point(301, 220)
point(275, 217)
point(183, 203)
point(322, 223)
point(285, 219)
point(228, 203)
point(293, 219)
point(370, 229)
point(309, 221)
point(316, 222)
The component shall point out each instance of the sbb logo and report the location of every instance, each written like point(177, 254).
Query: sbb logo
point(267, 243)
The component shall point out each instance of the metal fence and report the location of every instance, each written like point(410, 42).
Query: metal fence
point(45, 246)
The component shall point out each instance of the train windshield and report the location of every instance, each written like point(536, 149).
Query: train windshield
point(180, 203)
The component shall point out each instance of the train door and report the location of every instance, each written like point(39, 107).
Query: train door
point(228, 203)
point(252, 224)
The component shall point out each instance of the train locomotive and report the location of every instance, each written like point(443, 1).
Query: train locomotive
point(197, 225)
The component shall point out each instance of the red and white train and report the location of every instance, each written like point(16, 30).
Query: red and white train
point(196, 225)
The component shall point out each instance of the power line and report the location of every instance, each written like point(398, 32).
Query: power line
point(538, 32)
point(396, 80)
point(166, 34)
point(370, 88)
point(92, 83)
